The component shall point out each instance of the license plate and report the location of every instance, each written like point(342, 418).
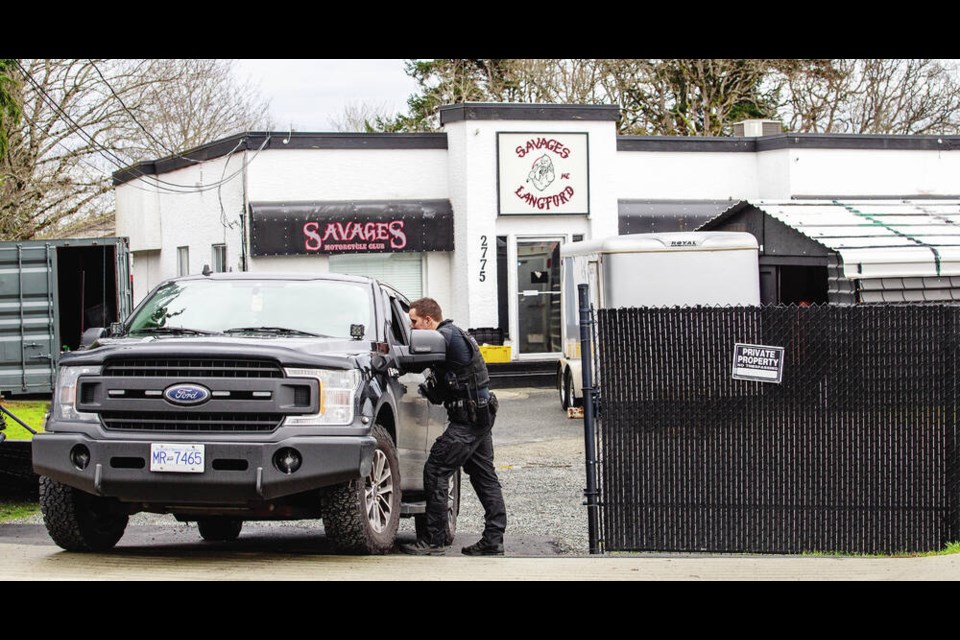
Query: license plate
point(183, 458)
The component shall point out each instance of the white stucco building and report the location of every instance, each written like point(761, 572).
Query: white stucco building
point(474, 215)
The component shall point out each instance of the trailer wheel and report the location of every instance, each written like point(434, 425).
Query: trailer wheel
point(562, 388)
point(572, 400)
point(79, 521)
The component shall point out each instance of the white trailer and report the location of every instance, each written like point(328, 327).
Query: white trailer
point(651, 270)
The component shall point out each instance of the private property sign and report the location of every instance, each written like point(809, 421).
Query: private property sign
point(757, 362)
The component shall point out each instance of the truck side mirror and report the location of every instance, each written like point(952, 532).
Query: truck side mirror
point(91, 335)
point(426, 347)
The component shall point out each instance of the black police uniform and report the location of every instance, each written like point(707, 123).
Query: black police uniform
point(462, 384)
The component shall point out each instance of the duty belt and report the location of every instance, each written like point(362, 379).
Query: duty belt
point(460, 403)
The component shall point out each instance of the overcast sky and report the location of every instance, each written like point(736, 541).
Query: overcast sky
point(309, 94)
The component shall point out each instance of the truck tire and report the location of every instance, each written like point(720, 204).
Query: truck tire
point(453, 511)
point(362, 516)
point(79, 521)
point(219, 528)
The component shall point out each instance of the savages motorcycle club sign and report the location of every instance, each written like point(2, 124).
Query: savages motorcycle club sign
point(351, 227)
point(543, 173)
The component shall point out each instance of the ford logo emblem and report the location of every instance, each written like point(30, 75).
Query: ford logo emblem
point(186, 394)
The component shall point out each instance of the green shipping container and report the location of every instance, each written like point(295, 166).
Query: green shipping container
point(51, 291)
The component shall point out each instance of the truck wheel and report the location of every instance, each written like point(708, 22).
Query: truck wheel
point(362, 516)
point(219, 528)
point(453, 510)
point(79, 521)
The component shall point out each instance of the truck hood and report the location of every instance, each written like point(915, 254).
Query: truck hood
point(298, 351)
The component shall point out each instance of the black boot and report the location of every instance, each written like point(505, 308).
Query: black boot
point(483, 548)
point(423, 548)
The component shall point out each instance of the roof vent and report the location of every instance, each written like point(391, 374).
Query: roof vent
point(757, 128)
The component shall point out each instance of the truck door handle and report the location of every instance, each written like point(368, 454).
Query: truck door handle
point(42, 356)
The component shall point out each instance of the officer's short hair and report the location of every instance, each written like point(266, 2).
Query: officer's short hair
point(428, 307)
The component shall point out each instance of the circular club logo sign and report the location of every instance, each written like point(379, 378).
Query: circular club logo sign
point(543, 173)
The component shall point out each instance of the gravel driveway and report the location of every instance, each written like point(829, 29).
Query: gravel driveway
point(540, 461)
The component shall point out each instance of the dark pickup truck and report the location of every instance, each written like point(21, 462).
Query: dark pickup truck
point(234, 397)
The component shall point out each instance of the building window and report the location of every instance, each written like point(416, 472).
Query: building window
point(183, 261)
point(219, 257)
point(403, 271)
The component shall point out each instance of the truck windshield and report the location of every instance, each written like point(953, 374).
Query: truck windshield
point(276, 307)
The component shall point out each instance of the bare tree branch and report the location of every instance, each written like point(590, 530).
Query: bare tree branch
point(875, 96)
point(83, 119)
point(359, 117)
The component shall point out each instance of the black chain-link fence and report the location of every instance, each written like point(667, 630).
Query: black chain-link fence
point(854, 451)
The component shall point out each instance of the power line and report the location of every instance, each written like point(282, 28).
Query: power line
point(222, 181)
point(130, 113)
point(133, 185)
point(170, 187)
point(116, 160)
point(68, 149)
point(223, 213)
point(110, 156)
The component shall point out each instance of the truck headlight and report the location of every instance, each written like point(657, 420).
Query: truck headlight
point(338, 389)
point(65, 400)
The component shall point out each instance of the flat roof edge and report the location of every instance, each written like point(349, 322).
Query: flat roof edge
point(256, 140)
point(527, 111)
point(789, 141)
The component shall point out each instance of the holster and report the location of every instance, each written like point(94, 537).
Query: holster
point(485, 411)
point(477, 413)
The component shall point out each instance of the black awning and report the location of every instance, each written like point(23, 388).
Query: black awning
point(351, 226)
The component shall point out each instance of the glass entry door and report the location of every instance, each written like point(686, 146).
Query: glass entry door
point(538, 288)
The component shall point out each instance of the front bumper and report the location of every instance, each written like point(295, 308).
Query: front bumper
point(236, 474)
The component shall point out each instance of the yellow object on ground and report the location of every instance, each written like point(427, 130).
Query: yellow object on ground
point(495, 353)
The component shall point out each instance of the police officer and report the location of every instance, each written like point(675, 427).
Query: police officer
point(461, 384)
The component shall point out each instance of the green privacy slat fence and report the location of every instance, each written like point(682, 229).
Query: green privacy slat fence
point(854, 451)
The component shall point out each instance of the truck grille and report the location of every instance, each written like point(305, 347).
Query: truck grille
point(191, 368)
point(191, 422)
